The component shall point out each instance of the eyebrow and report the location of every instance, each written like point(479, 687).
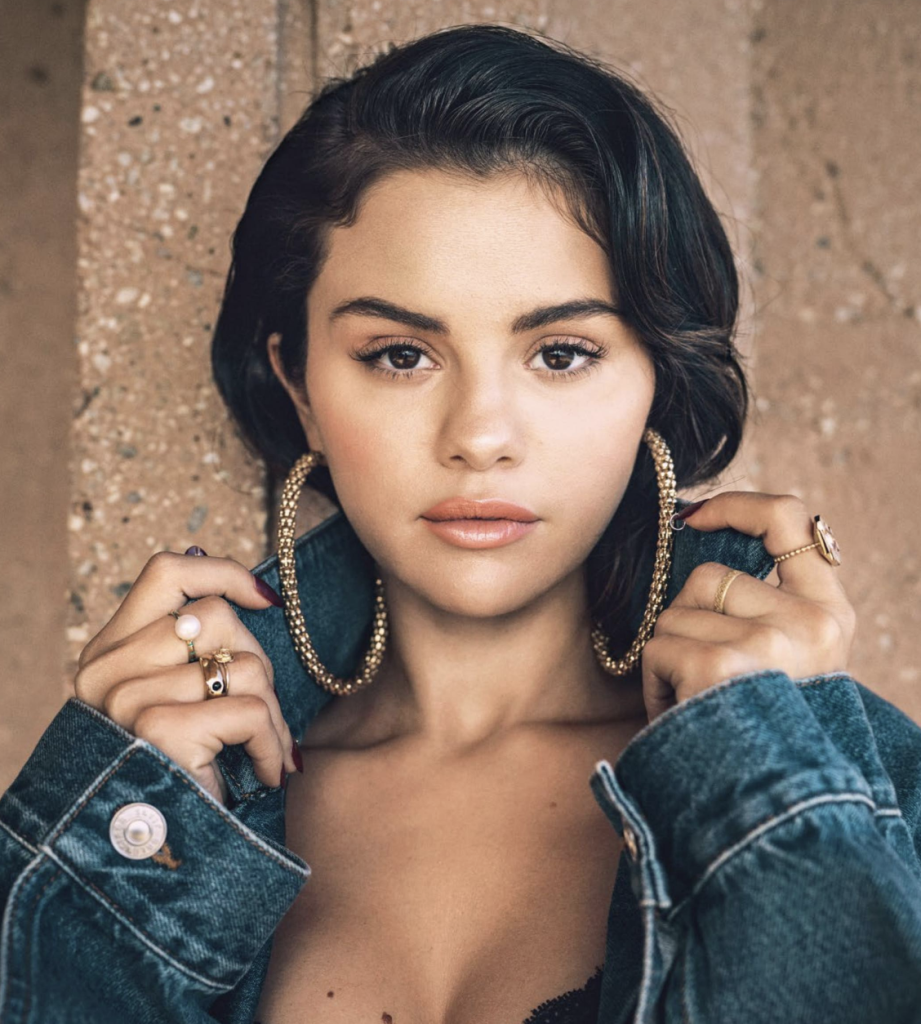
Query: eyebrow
point(371, 305)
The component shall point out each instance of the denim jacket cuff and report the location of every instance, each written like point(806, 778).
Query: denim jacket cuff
point(714, 770)
point(206, 901)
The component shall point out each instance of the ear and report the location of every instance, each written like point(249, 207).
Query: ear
point(297, 392)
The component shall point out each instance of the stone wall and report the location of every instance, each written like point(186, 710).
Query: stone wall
point(803, 119)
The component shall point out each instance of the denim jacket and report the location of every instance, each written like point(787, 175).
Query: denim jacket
point(770, 873)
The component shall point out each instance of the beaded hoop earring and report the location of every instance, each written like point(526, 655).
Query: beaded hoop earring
point(665, 475)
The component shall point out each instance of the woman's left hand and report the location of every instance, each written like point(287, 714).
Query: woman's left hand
point(804, 626)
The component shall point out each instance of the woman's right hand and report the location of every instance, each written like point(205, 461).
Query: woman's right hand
point(136, 670)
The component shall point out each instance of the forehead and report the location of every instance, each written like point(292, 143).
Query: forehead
point(447, 237)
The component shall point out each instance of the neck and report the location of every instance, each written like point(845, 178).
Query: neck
point(455, 681)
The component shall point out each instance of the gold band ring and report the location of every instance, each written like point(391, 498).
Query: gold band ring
point(725, 583)
point(215, 669)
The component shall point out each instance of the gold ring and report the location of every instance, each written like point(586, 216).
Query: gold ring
point(216, 672)
point(725, 583)
point(824, 541)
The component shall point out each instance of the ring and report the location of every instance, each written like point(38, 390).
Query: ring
point(824, 541)
point(216, 672)
point(187, 627)
point(725, 583)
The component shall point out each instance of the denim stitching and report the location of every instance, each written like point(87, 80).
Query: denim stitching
point(18, 838)
point(128, 921)
point(28, 951)
point(827, 677)
point(140, 744)
point(770, 823)
point(8, 914)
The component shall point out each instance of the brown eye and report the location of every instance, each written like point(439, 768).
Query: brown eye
point(402, 357)
point(565, 360)
point(558, 358)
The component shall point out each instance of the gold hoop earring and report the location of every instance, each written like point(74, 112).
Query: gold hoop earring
point(665, 476)
point(292, 601)
point(668, 495)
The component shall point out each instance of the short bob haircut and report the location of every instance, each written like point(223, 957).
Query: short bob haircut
point(484, 99)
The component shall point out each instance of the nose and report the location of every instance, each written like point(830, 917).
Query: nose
point(480, 423)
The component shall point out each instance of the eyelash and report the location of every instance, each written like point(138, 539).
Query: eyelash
point(571, 346)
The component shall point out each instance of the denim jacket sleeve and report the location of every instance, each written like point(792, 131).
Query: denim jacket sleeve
point(89, 935)
point(774, 832)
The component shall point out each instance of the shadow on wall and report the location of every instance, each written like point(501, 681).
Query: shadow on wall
point(41, 53)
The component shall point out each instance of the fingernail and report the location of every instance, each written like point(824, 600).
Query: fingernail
point(691, 509)
point(195, 550)
point(268, 593)
point(284, 778)
point(296, 754)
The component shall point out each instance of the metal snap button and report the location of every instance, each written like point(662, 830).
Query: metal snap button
point(630, 840)
point(137, 831)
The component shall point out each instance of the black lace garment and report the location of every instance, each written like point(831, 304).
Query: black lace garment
point(577, 1006)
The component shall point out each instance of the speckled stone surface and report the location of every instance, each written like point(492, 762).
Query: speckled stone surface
point(41, 51)
point(837, 120)
point(179, 111)
point(803, 120)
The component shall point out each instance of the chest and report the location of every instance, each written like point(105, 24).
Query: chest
point(461, 893)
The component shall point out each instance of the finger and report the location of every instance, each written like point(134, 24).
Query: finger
point(156, 645)
point(166, 582)
point(784, 524)
point(220, 627)
point(765, 641)
point(184, 684)
point(746, 597)
point(194, 734)
point(675, 668)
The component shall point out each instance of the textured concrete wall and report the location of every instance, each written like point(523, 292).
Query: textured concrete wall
point(802, 118)
point(41, 51)
point(837, 118)
point(178, 113)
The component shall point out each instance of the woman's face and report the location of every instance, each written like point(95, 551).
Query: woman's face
point(462, 400)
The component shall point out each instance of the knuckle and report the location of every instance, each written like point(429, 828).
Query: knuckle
point(252, 667)
point(258, 708)
point(160, 564)
point(215, 608)
point(149, 723)
point(704, 571)
point(790, 506)
point(664, 620)
point(116, 701)
point(824, 628)
point(774, 642)
point(82, 687)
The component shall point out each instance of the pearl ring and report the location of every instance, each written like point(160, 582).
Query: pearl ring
point(187, 627)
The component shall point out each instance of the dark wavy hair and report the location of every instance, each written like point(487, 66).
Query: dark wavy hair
point(485, 99)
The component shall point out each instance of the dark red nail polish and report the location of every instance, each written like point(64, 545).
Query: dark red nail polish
point(268, 593)
point(296, 754)
point(690, 509)
point(284, 778)
point(195, 550)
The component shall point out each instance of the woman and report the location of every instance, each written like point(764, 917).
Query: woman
point(480, 297)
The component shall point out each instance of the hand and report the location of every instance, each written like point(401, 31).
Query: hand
point(804, 626)
point(136, 670)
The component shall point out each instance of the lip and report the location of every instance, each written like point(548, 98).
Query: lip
point(466, 509)
point(480, 533)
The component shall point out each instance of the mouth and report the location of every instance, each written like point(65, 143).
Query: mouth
point(488, 523)
point(484, 510)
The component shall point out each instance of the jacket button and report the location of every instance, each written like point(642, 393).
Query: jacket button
point(137, 831)
point(630, 840)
